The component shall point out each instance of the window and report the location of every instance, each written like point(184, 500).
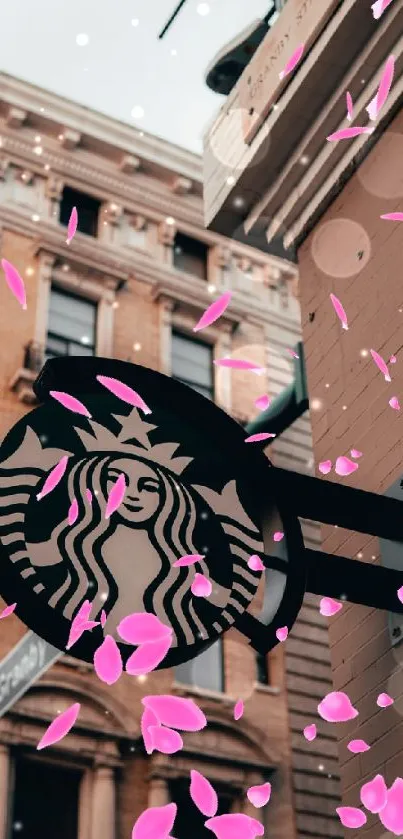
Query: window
point(87, 210)
point(45, 801)
point(262, 669)
point(205, 671)
point(192, 364)
point(190, 255)
point(71, 325)
point(189, 821)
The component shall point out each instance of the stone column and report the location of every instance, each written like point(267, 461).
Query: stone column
point(166, 308)
point(4, 789)
point(84, 807)
point(158, 792)
point(103, 823)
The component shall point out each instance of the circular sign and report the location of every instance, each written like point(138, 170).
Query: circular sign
point(192, 487)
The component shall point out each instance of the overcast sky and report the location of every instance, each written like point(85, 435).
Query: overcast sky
point(125, 66)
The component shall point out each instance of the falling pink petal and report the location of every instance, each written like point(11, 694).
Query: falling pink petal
point(262, 402)
point(348, 133)
point(201, 586)
point(116, 496)
point(282, 633)
point(72, 225)
point(329, 607)
point(391, 814)
point(355, 453)
point(88, 494)
point(14, 282)
point(350, 106)
point(176, 712)
point(148, 719)
point(235, 826)
point(310, 732)
point(394, 403)
point(255, 563)
point(392, 359)
point(237, 364)
point(259, 795)
point(155, 822)
point(385, 85)
point(141, 628)
point(78, 627)
point(53, 478)
point(278, 536)
point(203, 794)
point(70, 402)
point(108, 661)
point(165, 740)
point(325, 467)
point(238, 710)
point(393, 217)
point(8, 611)
point(214, 311)
point(292, 63)
point(103, 618)
point(258, 438)
point(293, 353)
point(400, 594)
point(148, 656)
point(336, 707)
point(381, 364)
point(379, 7)
point(372, 108)
point(84, 611)
point(344, 466)
point(73, 511)
point(60, 727)
point(188, 559)
point(124, 392)
point(358, 746)
point(351, 816)
point(338, 307)
point(384, 700)
point(374, 794)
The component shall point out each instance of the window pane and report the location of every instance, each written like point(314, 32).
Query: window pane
point(205, 671)
point(190, 255)
point(71, 325)
point(87, 210)
point(262, 669)
point(192, 363)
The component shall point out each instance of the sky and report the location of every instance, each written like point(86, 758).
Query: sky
point(123, 66)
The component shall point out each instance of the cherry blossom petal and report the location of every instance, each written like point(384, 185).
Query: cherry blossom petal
point(8, 611)
point(203, 794)
point(344, 466)
point(282, 633)
point(385, 85)
point(336, 707)
point(391, 815)
point(394, 403)
point(329, 607)
point(124, 392)
point(238, 710)
point(259, 795)
point(103, 618)
point(188, 559)
point(355, 453)
point(292, 63)
point(60, 726)
point(255, 563)
point(108, 661)
point(400, 594)
point(351, 816)
point(235, 826)
point(310, 732)
point(176, 712)
point(148, 720)
point(350, 106)
point(381, 364)
point(258, 438)
point(358, 746)
point(325, 467)
point(165, 740)
point(384, 700)
point(392, 359)
point(278, 536)
point(339, 309)
point(262, 403)
point(374, 794)
point(141, 628)
point(214, 311)
point(348, 133)
point(148, 656)
point(72, 225)
point(393, 217)
point(201, 586)
point(237, 364)
point(73, 511)
point(379, 7)
point(14, 282)
point(155, 822)
point(53, 478)
point(70, 402)
point(116, 496)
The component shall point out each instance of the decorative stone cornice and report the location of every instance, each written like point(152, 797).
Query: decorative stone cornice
point(70, 139)
point(15, 117)
point(129, 164)
point(182, 186)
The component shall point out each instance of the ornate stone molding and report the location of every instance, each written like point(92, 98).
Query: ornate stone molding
point(15, 117)
point(182, 186)
point(129, 164)
point(167, 233)
point(70, 139)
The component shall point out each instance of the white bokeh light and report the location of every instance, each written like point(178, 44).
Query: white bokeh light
point(137, 112)
point(82, 39)
point(203, 9)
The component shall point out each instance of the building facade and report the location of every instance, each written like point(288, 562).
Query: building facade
point(138, 274)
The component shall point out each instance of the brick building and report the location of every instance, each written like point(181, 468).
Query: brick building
point(325, 201)
point(138, 274)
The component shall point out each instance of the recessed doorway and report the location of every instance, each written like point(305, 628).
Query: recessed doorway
point(45, 802)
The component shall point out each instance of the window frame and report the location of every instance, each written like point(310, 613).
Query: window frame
point(185, 237)
point(177, 332)
point(192, 687)
point(76, 202)
point(54, 286)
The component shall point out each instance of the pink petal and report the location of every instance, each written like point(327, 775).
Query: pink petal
point(257, 438)
point(392, 359)
point(373, 795)
point(400, 594)
point(235, 826)
point(238, 710)
point(72, 225)
point(355, 453)
point(381, 364)
point(329, 607)
point(278, 536)
point(88, 494)
point(70, 403)
point(78, 627)
point(325, 467)
point(124, 392)
point(176, 712)
point(282, 633)
point(393, 217)
point(391, 814)
point(201, 586)
point(350, 107)
point(348, 133)
point(338, 307)
point(262, 402)
point(384, 89)
point(8, 611)
point(358, 746)
point(255, 563)
point(188, 559)
point(60, 726)
point(259, 795)
point(292, 63)
point(14, 282)
point(379, 7)
point(237, 364)
point(336, 707)
point(351, 816)
point(103, 618)
point(344, 466)
point(108, 661)
point(148, 656)
point(155, 822)
point(293, 353)
point(165, 740)
point(73, 511)
point(214, 311)
point(84, 611)
point(116, 496)
point(141, 628)
point(54, 477)
point(310, 732)
point(148, 719)
point(384, 700)
point(394, 403)
point(203, 794)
